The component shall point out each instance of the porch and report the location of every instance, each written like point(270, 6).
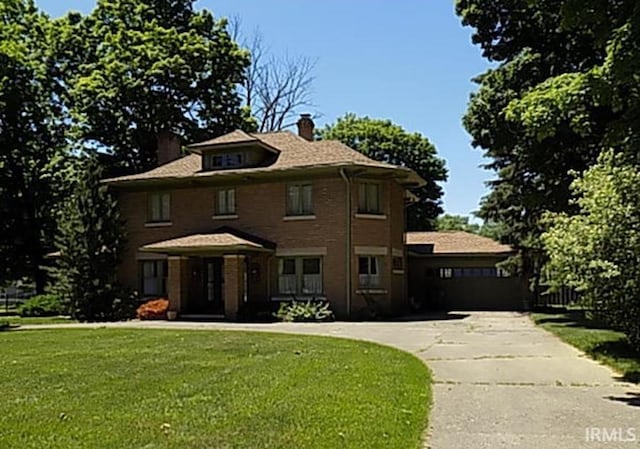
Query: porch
point(214, 274)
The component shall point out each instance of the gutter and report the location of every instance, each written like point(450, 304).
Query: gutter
point(347, 183)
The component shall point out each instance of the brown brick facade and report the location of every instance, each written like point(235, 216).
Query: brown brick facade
point(261, 211)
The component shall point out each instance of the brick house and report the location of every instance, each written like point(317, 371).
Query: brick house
point(256, 218)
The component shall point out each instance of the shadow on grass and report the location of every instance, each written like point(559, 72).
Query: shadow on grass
point(621, 351)
point(632, 399)
point(573, 318)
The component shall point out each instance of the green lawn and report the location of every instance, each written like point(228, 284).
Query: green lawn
point(113, 388)
point(16, 320)
point(607, 346)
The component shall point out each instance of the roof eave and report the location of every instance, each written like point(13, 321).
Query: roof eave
point(405, 177)
point(204, 249)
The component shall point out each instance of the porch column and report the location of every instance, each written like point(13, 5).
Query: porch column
point(177, 282)
point(233, 284)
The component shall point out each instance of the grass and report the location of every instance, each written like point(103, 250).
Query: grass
point(17, 320)
point(602, 344)
point(116, 388)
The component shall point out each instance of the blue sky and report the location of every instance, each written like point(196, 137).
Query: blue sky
point(410, 61)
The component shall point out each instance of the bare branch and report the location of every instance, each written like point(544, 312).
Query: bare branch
point(275, 88)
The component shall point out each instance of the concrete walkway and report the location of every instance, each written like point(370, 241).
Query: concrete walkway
point(500, 382)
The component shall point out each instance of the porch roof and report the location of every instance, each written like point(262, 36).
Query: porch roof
point(214, 242)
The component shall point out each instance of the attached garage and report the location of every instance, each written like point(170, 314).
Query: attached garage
point(459, 271)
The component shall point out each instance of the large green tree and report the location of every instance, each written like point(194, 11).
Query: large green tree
point(536, 44)
point(385, 141)
point(139, 68)
point(597, 249)
point(31, 138)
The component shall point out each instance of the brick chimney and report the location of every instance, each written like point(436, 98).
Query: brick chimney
point(305, 127)
point(169, 146)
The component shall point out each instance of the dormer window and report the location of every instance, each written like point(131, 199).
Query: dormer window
point(216, 161)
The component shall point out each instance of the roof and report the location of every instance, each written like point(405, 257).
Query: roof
point(224, 239)
point(294, 152)
point(236, 137)
point(455, 242)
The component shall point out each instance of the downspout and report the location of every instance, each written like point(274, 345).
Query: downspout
point(348, 237)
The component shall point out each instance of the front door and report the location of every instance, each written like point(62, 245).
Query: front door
point(213, 297)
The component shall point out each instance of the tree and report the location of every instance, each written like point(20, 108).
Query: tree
point(601, 101)
point(31, 140)
point(535, 44)
point(139, 68)
point(91, 241)
point(385, 141)
point(275, 88)
point(449, 222)
point(597, 250)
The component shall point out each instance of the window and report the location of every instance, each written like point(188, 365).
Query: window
point(300, 276)
point(369, 198)
point(226, 202)
point(227, 160)
point(159, 207)
point(397, 263)
point(369, 271)
point(154, 278)
point(300, 199)
point(472, 272)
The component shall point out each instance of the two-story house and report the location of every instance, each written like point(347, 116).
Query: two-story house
point(250, 217)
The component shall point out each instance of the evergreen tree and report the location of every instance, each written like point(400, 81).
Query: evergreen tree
point(91, 240)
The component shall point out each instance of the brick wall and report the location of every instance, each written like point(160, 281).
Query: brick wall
point(261, 212)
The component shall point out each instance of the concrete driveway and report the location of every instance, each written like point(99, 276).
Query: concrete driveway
point(500, 382)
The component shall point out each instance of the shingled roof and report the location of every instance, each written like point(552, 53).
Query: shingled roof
point(294, 153)
point(455, 242)
point(224, 238)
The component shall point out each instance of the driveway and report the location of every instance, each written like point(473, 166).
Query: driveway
point(500, 382)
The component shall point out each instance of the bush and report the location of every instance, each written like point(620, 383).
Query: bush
point(304, 311)
point(43, 305)
point(155, 309)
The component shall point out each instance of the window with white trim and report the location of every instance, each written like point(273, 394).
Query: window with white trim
point(299, 199)
point(154, 278)
point(300, 276)
point(226, 202)
point(159, 207)
point(369, 271)
point(369, 198)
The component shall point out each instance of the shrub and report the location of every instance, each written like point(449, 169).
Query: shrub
point(43, 305)
point(304, 311)
point(155, 309)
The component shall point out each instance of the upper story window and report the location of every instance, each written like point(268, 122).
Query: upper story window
point(225, 160)
point(226, 202)
point(369, 198)
point(369, 271)
point(300, 199)
point(159, 207)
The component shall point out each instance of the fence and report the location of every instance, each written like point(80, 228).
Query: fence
point(11, 297)
point(562, 297)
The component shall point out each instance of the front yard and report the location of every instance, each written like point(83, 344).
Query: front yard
point(112, 388)
point(605, 345)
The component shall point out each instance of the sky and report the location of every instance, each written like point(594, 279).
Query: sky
point(410, 61)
